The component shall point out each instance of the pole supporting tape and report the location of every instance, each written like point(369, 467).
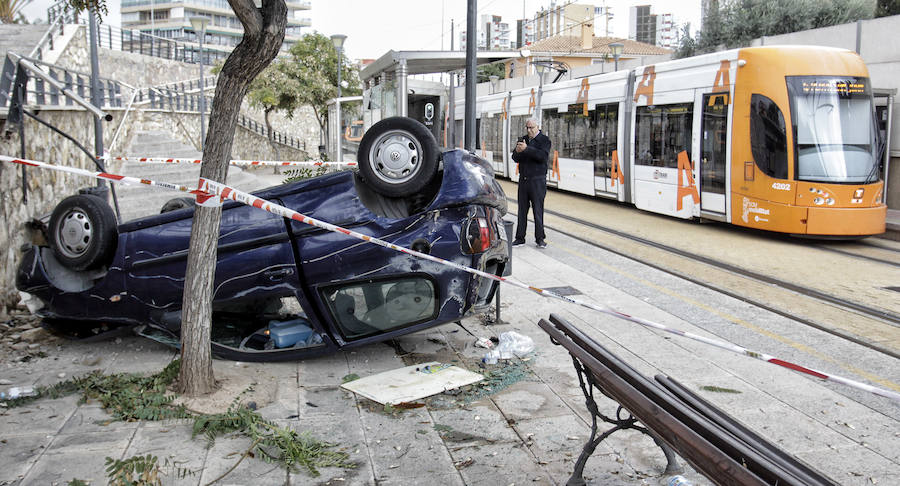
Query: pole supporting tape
point(211, 189)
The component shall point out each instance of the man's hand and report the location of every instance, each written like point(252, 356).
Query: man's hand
point(520, 146)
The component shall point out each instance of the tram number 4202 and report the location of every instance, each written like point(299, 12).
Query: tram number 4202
point(781, 186)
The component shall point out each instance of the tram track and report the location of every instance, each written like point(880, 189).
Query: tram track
point(807, 291)
point(742, 291)
point(895, 262)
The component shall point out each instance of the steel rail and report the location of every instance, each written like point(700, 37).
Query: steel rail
point(865, 310)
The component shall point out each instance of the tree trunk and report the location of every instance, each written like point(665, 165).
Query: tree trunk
point(270, 134)
point(263, 35)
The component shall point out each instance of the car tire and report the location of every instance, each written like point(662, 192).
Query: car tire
point(83, 232)
point(398, 157)
point(177, 203)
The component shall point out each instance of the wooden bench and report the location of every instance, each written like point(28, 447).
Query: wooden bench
point(716, 445)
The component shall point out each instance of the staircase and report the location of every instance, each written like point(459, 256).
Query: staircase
point(137, 201)
point(21, 39)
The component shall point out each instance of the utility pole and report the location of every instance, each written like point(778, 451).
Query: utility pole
point(471, 74)
point(96, 91)
point(451, 128)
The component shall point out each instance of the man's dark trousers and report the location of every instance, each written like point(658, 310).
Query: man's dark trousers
point(532, 191)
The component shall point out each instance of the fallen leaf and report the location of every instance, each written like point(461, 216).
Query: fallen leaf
point(409, 405)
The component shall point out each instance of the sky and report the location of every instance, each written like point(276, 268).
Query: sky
point(374, 27)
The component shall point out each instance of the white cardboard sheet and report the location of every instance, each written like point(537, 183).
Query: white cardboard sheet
point(412, 382)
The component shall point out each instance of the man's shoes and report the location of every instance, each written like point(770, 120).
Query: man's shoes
point(518, 242)
point(541, 244)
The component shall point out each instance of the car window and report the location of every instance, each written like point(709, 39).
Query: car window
point(371, 307)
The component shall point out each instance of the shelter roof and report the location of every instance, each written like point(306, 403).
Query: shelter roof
point(424, 62)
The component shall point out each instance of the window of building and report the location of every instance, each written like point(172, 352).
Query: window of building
point(661, 133)
point(768, 137)
point(157, 15)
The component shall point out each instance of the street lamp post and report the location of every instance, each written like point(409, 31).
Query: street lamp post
point(494, 80)
point(617, 48)
point(338, 40)
point(199, 25)
point(540, 68)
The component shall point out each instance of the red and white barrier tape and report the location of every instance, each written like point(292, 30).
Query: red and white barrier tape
point(174, 160)
point(208, 189)
point(103, 175)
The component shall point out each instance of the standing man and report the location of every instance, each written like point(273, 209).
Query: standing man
point(532, 153)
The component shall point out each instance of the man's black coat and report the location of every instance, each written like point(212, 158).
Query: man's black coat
point(533, 160)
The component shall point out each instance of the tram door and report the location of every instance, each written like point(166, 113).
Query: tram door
point(713, 144)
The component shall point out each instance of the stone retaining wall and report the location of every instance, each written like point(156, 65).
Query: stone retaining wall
point(44, 188)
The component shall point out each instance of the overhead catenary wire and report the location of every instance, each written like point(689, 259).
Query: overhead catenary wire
point(207, 191)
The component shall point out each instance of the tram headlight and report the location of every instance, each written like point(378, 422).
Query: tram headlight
point(829, 201)
point(818, 201)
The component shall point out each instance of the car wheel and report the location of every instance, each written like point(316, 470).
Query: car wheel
point(83, 232)
point(398, 156)
point(176, 204)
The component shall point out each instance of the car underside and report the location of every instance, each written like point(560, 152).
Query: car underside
point(283, 289)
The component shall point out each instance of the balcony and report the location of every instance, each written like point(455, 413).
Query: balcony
point(299, 4)
point(304, 22)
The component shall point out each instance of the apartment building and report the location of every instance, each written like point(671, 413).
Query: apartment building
point(657, 29)
point(171, 19)
point(493, 34)
point(566, 19)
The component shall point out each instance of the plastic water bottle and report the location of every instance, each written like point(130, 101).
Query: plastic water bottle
point(678, 480)
point(17, 392)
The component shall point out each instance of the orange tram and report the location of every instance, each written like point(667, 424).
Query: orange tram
point(779, 138)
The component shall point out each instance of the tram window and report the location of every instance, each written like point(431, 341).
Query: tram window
point(553, 125)
point(585, 137)
point(459, 130)
point(768, 138)
point(493, 132)
point(605, 130)
point(662, 132)
point(517, 128)
point(571, 132)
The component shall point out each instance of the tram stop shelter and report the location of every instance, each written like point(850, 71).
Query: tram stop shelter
point(388, 91)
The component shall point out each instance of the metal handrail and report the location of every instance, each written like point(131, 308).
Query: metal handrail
point(47, 37)
point(112, 143)
point(27, 64)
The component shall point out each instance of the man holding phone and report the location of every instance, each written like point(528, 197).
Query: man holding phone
point(532, 153)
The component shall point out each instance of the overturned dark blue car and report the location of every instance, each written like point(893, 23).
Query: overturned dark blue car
point(285, 290)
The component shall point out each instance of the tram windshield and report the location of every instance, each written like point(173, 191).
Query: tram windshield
point(834, 126)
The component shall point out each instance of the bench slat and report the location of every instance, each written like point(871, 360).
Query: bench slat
point(788, 462)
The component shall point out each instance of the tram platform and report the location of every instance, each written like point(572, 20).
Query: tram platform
point(527, 426)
